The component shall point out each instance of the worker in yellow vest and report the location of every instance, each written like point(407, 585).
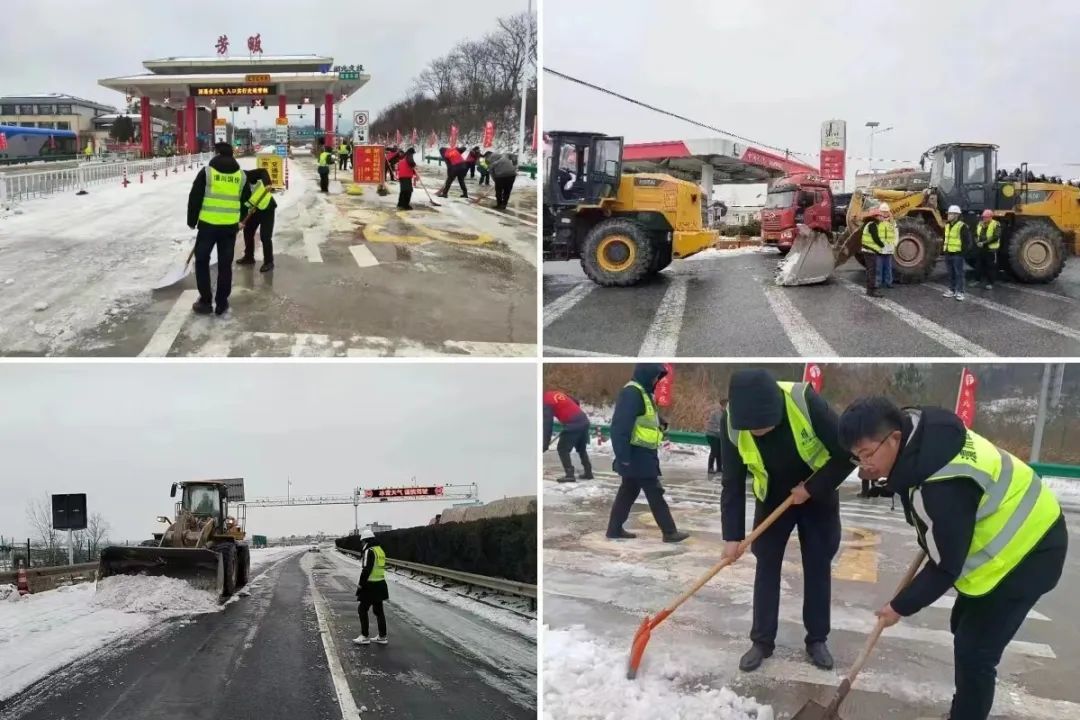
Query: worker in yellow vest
point(88, 151)
point(637, 431)
point(324, 158)
point(343, 156)
point(371, 591)
point(989, 525)
point(261, 207)
point(782, 437)
point(988, 240)
point(219, 191)
point(957, 241)
point(874, 237)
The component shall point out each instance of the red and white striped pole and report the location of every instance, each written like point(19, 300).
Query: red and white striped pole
point(125, 181)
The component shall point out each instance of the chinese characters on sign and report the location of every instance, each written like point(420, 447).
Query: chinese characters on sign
point(430, 491)
point(348, 68)
point(664, 387)
point(257, 79)
point(233, 90)
point(254, 44)
point(273, 165)
point(222, 44)
point(965, 399)
point(220, 130)
point(834, 152)
point(368, 164)
point(489, 133)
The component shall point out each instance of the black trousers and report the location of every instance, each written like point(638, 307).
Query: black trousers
point(574, 440)
point(871, 271)
point(988, 265)
point(503, 186)
point(224, 238)
point(343, 162)
point(404, 193)
point(380, 617)
point(485, 177)
point(472, 170)
point(263, 221)
point(714, 453)
point(324, 178)
point(819, 539)
point(983, 626)
point(388, 171)
point(628, 493)
point(455, 172)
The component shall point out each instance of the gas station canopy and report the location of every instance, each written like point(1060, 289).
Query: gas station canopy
point(729, 161)
point(299, 78)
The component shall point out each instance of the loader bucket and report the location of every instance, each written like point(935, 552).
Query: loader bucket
point(810, 260)
point(200, 567)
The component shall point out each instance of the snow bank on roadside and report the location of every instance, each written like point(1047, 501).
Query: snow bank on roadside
point(1066, 490)
point(585, 679)
point(161, 596)
point(714, 253)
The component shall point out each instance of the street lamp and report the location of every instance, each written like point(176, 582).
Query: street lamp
point(873, 125)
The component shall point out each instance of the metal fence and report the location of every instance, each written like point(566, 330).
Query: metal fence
point(509, 587)
point(25, 186)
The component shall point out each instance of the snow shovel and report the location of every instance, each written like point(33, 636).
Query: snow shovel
point(810, 260)
point(424, 188)
point(641, 637)
point(815, 711)
point(179, 272)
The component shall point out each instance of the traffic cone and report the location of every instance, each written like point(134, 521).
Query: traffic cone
point(24, 584)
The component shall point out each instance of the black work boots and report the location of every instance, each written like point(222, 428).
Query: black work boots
point(817, 652)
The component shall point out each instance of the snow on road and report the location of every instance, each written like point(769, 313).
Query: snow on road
point(90, 260)
point(43, 632)
point(585, 679)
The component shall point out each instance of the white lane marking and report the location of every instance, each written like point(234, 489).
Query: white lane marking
point(363, 256)
point(662, 338)
point(571, 352)
point(311, 245)
point(958, 344)
point(491, 349)
point(558, 307)
point(1056, 328)
point(1041, 293)
point(947, 601)
point(800, 333)
point(348, 707)
point(165, 335)
point(376, 346)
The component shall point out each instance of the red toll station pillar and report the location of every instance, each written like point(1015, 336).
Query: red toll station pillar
point(147, 133)
point(189, 126)
point(329, 120)
point(281, 106)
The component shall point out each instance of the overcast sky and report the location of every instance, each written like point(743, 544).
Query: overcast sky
point(938, 71)
point(66, 46)
point(122, 433)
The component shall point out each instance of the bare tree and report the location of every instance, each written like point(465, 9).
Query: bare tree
point(97, 530)
point(39, 515)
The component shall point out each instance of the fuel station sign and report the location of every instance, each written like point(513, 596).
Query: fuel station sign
point(834, 153)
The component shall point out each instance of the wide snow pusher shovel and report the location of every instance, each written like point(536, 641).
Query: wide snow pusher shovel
point(809, 261)
point(815, 711)
point(644, 632)
point(199, 567)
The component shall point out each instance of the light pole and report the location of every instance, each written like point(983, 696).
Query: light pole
point(873, 125)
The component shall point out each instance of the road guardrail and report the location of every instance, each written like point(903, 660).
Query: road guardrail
point(509, 587)
point(41, 579)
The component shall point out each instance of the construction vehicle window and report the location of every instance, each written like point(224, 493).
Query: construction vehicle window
point(780, 199)
point(974, 167)
point(203, 500)
point(606, 161)
point(945, 170)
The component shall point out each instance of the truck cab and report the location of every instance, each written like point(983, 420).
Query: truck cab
point(796, 199)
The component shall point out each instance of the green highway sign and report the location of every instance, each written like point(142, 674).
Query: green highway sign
point(348, 75)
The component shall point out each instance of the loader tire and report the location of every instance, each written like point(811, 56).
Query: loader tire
point(243, 565)
point(662, 258)
point(229, 563)
point(1036, 253)
point(917, 250)
point(617, 252)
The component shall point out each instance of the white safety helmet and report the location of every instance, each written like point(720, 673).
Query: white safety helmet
point(954, 209)
point(883, 208)
point(366, 534)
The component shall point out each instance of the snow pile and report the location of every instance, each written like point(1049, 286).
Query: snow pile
point(585, 680)
point(161, 596)
point(714, 253)
point(9, 592)
point(1067, 491)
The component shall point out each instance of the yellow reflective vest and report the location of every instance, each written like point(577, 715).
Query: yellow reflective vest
point(647, 432)
point(1015, 512)
point(324, 158)
point(884, 233)
point(954, 242)
point(811, 449)
point(260, 196)
point(985, 233)
point(221, 199)
point(378, 573)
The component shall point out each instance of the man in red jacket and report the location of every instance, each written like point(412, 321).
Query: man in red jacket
point(406, 171)
point(575, 434)
point(456, 167)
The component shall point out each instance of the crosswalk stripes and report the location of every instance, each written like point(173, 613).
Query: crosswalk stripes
point(560, 305)
point(1056, 328)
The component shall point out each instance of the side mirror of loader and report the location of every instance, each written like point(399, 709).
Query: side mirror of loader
point(172, 491)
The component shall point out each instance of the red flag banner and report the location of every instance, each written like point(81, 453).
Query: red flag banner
point(664, 387)
point(965, 398)
point(453, 136)
point(3, 141)
point(489, 133)
point(397, 137)
point(812, 374)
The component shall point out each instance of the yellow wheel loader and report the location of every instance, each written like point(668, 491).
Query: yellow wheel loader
point(623, 228)
point(1040, 220)
point(203, 545)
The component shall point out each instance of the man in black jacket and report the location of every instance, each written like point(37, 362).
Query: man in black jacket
point(776, 435)
point(960, 492)
point(575, 432)
point(217, 227)
point(636, 434)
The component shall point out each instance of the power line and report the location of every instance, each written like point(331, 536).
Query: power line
point(647, 106)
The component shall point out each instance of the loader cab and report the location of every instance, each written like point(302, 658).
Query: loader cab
point(205, 500)
point(963, 174)
point(583, 168)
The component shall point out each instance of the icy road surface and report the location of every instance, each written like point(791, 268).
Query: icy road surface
point(597, 591)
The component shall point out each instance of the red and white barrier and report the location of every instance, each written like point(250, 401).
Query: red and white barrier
point(24, 583)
